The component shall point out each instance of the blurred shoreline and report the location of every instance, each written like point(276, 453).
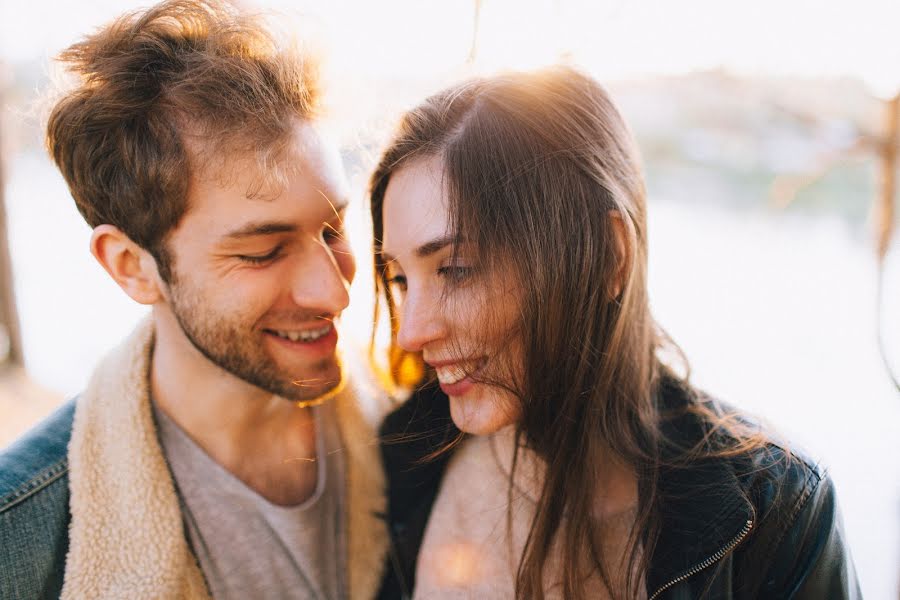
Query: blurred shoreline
point(22, 403)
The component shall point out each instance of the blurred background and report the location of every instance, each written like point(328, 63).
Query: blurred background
point(769, 136)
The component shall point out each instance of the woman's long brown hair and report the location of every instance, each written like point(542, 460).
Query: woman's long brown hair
point(537, 165)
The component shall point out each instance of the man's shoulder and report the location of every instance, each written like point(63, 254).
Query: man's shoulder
point(34, 509)
point(37, 459)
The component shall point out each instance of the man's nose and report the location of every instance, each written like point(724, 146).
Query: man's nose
point(421, 321)
point(321, 282)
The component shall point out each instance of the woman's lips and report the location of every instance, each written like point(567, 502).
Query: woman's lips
point(456, 378)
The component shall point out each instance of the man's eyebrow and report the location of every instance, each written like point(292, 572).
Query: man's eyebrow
point(341, 205)
point(264, 228)
point(428, 248)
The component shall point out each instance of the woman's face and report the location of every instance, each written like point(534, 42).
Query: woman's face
point(461, 321)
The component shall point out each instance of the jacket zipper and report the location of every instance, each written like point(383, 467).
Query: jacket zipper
point(708, 562)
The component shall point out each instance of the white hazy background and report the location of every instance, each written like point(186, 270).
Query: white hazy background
point(776, 312)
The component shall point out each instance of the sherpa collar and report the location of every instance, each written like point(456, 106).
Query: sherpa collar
point(126, 535)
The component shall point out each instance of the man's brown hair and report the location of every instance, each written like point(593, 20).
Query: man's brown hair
point(162, 93)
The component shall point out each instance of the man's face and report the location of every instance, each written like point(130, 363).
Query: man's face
point(258, 282)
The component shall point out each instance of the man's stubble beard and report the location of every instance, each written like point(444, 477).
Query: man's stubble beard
point(233, 349)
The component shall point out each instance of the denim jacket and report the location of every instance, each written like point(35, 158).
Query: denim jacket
point(34, 509)
point(88, 508)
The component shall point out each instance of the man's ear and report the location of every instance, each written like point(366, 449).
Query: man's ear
point(132, 267)
point(622, 250)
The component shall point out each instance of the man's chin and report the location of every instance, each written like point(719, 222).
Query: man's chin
point(328, 382)
point(324, 395)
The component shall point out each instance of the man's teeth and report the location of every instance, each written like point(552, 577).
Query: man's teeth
point(453, 373)
point(307, 335)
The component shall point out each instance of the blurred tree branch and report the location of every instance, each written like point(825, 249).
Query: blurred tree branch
point(476, 26)
point(887, 158)
point(884, 211)
point(886, 147)
point(786, 188)
point(10, 336)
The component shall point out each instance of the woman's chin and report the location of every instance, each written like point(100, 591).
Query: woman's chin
point(480, 415)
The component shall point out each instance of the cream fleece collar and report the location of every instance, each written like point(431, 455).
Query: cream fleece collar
point(126, 538)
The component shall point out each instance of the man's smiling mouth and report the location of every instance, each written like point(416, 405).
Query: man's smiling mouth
point(303, 335)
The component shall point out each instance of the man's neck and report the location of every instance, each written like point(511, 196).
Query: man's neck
point(264, 440)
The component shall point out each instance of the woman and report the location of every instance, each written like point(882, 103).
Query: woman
point(511, 247)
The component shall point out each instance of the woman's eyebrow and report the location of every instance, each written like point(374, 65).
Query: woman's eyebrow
point(428, 248)
point(436, 245)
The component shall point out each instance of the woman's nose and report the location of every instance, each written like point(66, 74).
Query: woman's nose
point(421, 321)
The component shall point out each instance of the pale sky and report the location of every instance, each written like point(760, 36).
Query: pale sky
point(615, 39)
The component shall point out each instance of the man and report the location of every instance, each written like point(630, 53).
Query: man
point(216, 451)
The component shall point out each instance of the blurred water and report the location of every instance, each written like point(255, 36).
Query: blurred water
point(777, 316)
point(775, 313)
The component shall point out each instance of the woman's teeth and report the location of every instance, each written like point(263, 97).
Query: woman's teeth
point(307, 335)
point(453, 373)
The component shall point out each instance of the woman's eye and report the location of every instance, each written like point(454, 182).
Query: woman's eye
point(260, 259)
point(398, 282)
point(455, 273)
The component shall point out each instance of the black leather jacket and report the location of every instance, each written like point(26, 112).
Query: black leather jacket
point(752, 526)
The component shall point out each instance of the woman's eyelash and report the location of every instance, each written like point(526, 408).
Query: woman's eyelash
point(397, 280)
point(257, 260)
point(452, 273)
point(455, 273)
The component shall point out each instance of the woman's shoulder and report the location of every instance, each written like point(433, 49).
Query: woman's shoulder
point(799, 543)
point(737, 485)
point(706, 438)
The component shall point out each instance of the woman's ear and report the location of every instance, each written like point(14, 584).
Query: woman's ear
point(623, 256)
point(130, 266)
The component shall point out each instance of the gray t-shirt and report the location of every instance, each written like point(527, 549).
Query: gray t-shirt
point(248, 547)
